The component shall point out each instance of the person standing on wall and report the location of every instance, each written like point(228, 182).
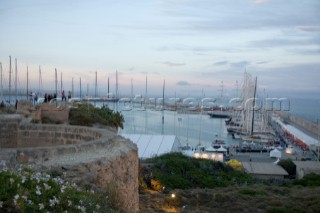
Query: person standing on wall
point(63, 96)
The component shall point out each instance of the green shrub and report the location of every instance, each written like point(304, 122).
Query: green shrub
point(176, 171)
point(289, 166)
point(284, 210)
point(88, 115)
point(308, 180)
point(252, 192)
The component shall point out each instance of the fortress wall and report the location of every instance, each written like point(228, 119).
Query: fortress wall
point(53, 135)
point(93, 156)
point(9, 125)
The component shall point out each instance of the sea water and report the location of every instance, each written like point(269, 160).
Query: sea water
point(197, 128)
point(190, 129)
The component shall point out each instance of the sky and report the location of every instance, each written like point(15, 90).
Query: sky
point(195, 46)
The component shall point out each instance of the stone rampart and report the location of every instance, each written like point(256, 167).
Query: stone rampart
point(9, 125)
point(93, 156)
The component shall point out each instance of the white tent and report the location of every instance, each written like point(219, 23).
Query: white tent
point(153, 145)
point(306, 139)
point(275, 154)
point(221, 149)
point(211, 149)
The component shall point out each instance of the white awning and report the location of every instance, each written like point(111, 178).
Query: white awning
point(306, 139)
point(153, 145)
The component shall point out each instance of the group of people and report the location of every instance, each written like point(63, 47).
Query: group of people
point(49, 97)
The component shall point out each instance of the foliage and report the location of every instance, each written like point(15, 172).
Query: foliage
point(88, 115)
point(26, 191)
point(284, 210)
point(176, 171)
point(251, 192)
point(309, 180)
point(46, 120)
point(289, 166)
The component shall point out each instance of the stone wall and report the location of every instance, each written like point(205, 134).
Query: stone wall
point(53, 135)
point(59, 114)
point(94, 156)
point(9, 125)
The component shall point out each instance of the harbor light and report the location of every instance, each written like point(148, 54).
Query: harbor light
point(289, 150)
point(205, 156)
point(217, 157)
point(197, 155)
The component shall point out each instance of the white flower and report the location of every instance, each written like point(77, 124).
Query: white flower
point(2, 163)
point(46, 186)
point(15, 198)
point(98, 206)
point(63, 187)
point(30, 202)
point(38, 192)
point(69, 202)
point(54, 201)
point(82, 208)
point(1, 203)
point(23, 179)
point(24, 197)
point(41, 206)
point(11, 180)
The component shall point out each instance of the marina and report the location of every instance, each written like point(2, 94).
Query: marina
point(245, 124)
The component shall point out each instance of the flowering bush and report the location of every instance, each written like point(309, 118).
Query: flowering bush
point(24, 190)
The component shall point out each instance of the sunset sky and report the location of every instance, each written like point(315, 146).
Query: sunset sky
point(193, 45)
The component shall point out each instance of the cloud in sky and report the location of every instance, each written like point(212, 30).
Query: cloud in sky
point(260, 1)
point(309, 28)
point(205, 41)
point(183, 83)
point(220, 63)
point(173, 64)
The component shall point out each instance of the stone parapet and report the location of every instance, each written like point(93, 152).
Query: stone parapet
point(9, 125)
point(93, 156)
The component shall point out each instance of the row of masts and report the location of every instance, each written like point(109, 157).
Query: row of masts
point(40, 84)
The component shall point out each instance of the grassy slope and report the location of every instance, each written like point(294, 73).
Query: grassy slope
point(206, 186)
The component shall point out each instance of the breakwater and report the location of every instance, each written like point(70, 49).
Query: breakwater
point(309, 127)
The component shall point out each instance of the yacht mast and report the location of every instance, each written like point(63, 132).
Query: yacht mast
point(108, 87)
point(95, 89)
point(40, 79)
point(72, 89)
point(1, 87)
point(16, 79)
point(10, 80)
point(61, 83)
point(27, 83)
point(164, 82)
point(253, 105)
point(145, 99)
point(56, 85)
point(80, 89)
point(116, 84)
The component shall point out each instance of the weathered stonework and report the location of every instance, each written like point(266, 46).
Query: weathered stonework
point(94, 156)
